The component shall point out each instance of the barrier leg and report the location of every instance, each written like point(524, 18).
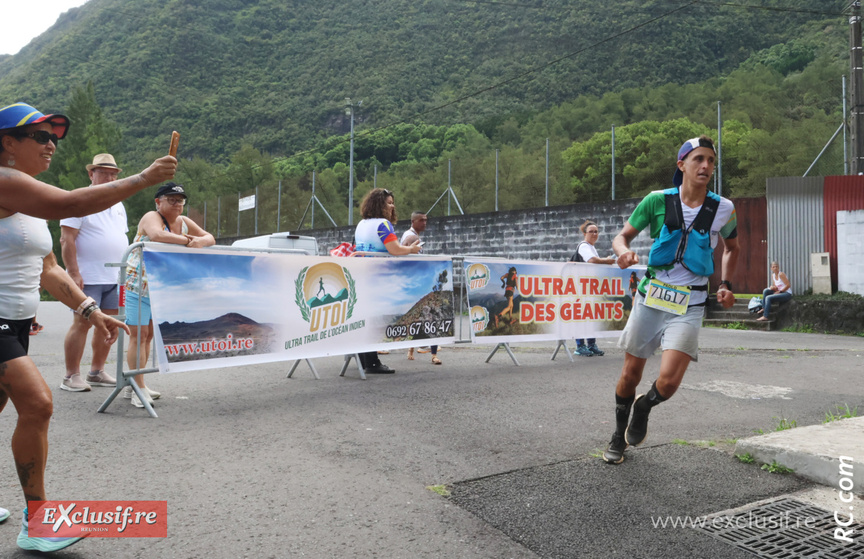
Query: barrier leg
point(144, 400)
point(348, 359)
point(311, 366)
point(563, 343)
point(116, 392)
point(506, 348)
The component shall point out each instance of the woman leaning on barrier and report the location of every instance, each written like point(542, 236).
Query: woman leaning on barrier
point(165, 224)
point(28, 140)
point(375, 233)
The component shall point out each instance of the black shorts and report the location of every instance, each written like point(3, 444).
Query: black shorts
point(14, 338)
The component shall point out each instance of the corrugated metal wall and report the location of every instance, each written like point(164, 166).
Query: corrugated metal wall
point(841, 193)
point(796, 226)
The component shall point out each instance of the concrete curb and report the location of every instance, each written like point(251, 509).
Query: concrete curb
point(813, 452)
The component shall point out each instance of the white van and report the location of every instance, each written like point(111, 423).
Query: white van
point(298, 243)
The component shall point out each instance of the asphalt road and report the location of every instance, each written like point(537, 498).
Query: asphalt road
point(256, 465)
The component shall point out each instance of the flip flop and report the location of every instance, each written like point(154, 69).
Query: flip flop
point(435, 360)
point(410, 356)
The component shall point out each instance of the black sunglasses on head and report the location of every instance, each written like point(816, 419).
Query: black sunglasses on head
point(40, 136)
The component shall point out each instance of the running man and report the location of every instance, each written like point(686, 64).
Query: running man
point(686, 222)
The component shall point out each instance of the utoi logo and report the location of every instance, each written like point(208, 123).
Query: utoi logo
point(478, 276)
point(479, 318)
point(325, 295)
point(102, 519)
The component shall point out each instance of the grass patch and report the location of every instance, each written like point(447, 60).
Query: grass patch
point(596, 453)
point(800, 329)
point(735, 326)
point(842, 412)
point(783, 424)
point(776, 468)
point(440, 489)
point(680, 442)
point(745, 458)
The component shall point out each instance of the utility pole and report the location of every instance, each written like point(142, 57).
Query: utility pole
point(349, 109)
point(856, 126)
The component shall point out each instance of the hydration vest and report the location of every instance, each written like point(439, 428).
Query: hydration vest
point(689, 246)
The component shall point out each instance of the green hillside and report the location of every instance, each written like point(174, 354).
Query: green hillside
point(274, 74)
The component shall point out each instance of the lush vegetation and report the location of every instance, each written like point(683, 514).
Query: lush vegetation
point(256, 88)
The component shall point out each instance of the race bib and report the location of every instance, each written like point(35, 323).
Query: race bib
point(667, 298)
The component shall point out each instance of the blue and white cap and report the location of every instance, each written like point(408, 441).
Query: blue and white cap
point(689, 146)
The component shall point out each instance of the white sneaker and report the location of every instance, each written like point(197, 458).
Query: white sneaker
point(137, 402)
point(128, 392)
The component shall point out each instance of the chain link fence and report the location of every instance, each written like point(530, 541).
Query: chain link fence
point(511, 178)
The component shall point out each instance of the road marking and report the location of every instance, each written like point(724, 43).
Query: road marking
point(741, 390)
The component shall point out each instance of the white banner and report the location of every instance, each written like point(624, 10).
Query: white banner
point(516, 300)
point(216, 308)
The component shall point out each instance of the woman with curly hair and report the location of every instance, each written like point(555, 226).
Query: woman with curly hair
point(375, 233)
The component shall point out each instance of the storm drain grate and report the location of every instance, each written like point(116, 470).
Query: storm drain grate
point(787, 529)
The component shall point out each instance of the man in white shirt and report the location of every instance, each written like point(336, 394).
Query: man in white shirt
point(87, 243)
point(418, 225)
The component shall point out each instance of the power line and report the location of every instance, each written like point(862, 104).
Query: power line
point(770, 8)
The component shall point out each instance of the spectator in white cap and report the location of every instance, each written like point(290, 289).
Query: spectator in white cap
point(87, 244)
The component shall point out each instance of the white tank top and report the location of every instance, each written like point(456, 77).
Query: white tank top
point(780, 285)
point(24, 242)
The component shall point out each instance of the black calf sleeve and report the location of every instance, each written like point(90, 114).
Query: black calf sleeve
point(622, 412)
point(652, 398)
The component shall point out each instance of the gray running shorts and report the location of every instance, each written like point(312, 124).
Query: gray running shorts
point(648, 328)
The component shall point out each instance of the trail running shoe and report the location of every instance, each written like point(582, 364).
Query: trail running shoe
point(583, 351)
point(638, 428)
point(45, 545)
point(596, 350)
point(4, 514)
point(35, 328)
point(75, 384)
point(614, 453)
point(101, 378)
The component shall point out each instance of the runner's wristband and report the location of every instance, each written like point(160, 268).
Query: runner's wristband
point(727, 284)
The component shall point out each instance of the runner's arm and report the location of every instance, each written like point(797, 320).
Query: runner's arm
point(621, 246)
point(729, 264)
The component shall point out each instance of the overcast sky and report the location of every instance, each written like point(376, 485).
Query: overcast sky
point(23, 21)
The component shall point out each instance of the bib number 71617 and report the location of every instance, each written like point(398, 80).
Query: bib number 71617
point(666, 297)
